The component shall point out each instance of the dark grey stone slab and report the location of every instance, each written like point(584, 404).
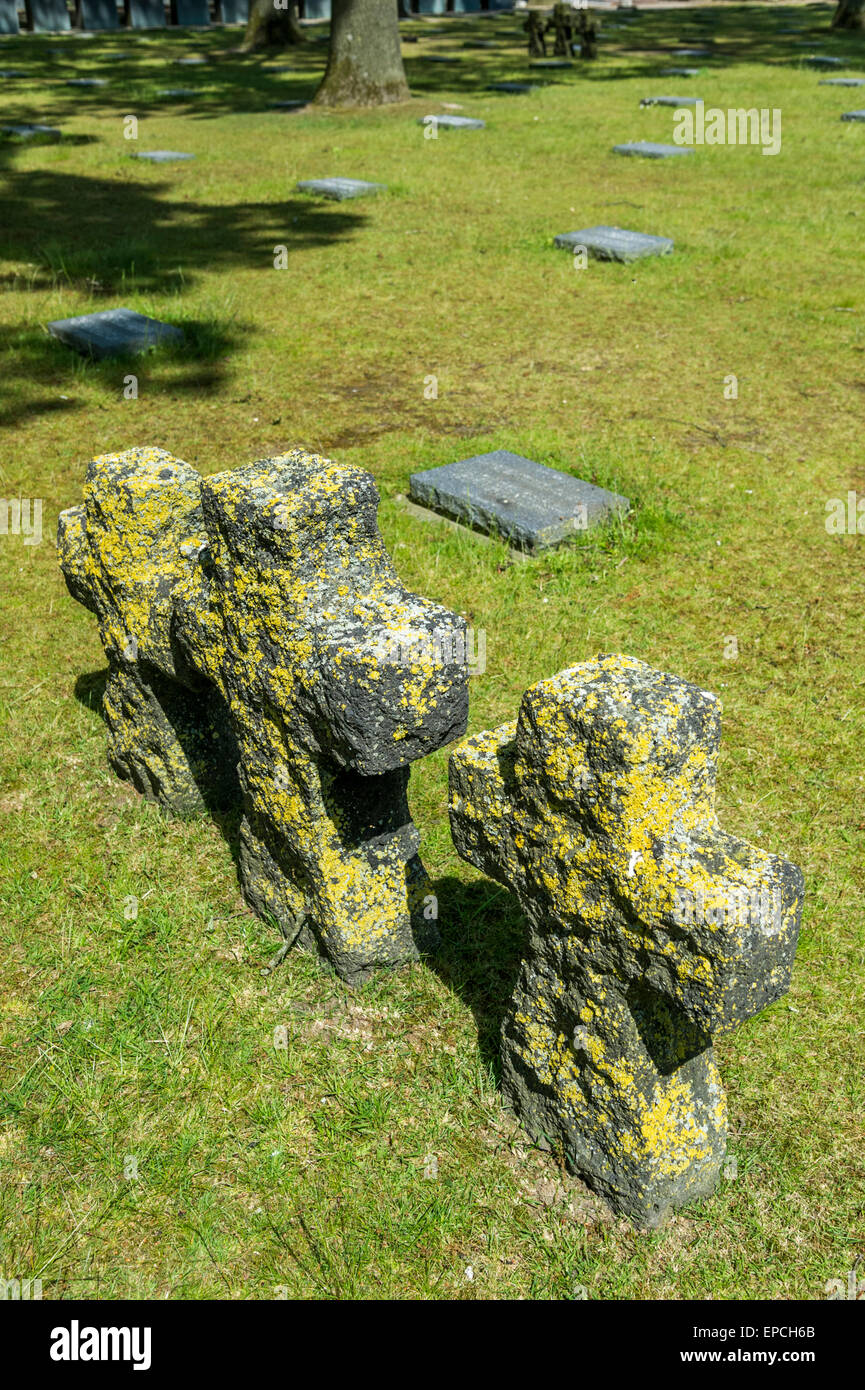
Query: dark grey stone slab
point(146, 14)
point(615, 243)
point(532, 506)
point(192, 14)
point(162, 156)
point(453, 122)
point(681, 72)
point(47, 16)
point(87, 82)
point(480, 43)
point(339, 188)
point(9, 17)
point(514, 87)
point(30, 132)
point(693, 52)
point(822, 60)
point(853, 116)
point(648, 149)
point(440, 58)
point(99, 14)
point(841, 82)
point(113, 333)
point(669, 101)
point(177, 92)
point(234, 11)
point(196, 61)
point(551, 63)
point(11, 72)
point(287, 105)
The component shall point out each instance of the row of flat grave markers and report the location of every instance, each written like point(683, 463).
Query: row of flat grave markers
point(53, 16)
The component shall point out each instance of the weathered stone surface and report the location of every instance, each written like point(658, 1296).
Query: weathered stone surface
point(162, 156)
point(253, 620)
point(87, 82)
point(823, 60)
point(841, 82)
point(48, 16)
point(452, 122)
point(99, 14)
point(9, 19)
point(615, 243)
point(530, 505)
point(339, 188)
point(648, 149)
point(669, 101)
point(113, 332)
point(146, 14)
point(693, 52)
point(853, 116)
point(650, 929)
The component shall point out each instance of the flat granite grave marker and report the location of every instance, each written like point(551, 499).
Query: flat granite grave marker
point(253, 621)
point(452, 122)
point(161, 156)
point(841, 82)
point(681, 72)
point(195, 61)
point(99, 14)
point(550, 63)
point(822, 60)
point(650, 930)
point(192, 14)
point(48, 133)
point(113, 332)
point(648, 149)
point(47, 16)
point(693, 52)
point(287, 105)
point(615, 243)
point(529, 505)
point(11, 73)
point(9, 17)
point(339, 189)
point(87, 82)
point(513, 87)
point(146, 14)
point(177, 92)
point(669, 101)
point(853, 116)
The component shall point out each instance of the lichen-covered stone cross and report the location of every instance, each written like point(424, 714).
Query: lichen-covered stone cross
point(650, 929)
point(248, 619)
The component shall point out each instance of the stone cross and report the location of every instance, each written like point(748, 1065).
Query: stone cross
point(256, 634)
point(650, 929)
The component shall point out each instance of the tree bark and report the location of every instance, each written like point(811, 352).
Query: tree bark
point(364, 66)
point(271, 25)
point(849, 15)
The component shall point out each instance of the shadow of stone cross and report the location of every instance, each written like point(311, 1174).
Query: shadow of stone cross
point(247, 619)
point(650, 929)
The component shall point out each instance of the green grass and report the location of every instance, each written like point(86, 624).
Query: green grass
point(266, 1170)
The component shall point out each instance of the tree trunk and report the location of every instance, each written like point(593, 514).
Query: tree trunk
point(272, 25)
point(364, 67)
point(849, 15)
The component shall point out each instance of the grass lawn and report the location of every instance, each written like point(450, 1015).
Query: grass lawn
point(371, 1156)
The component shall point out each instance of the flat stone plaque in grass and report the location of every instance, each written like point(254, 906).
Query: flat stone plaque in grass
point(87, 82)
point(162, 156)
point(30, 132)
point(195, 61)
point(453, 122)
point(669, 101)
point(177, 92)
point(841, 82)
point(339, 189)
point(11, 72)
point(822, 60)
point(531, 506)
point(514, 87)
point(551, 63)
point(693, 52)
point(290, 105)
point(113, 333)
point(648, 149)
point(440, 58)
point(853, 116)
point(681, 72)
point(615, 243)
